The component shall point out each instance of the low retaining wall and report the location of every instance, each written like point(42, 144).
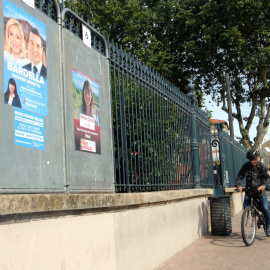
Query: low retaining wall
point(237, 200)
point(99, 231)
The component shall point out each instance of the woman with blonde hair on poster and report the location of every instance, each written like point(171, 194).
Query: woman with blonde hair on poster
point(15, 48)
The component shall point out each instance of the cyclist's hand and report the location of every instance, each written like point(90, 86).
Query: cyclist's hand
point(239, 189)
point(261, 188)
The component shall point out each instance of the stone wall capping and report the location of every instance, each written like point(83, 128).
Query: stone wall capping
point(11, 204)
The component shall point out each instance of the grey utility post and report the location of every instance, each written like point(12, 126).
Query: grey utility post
point(194, 139)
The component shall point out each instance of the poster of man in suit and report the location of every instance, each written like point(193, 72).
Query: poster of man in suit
point(25, 63)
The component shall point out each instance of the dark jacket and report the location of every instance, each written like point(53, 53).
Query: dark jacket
point(43, 71)
point(15, 102)
point(254, 177)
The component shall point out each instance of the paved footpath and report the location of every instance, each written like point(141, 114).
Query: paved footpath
point(223, 252)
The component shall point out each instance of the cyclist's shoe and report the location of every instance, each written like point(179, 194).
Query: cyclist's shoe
point(267, 231)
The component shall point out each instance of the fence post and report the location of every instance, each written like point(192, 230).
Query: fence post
point(220, 128)
point(193, 136)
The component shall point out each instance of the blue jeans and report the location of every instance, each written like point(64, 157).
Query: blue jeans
point(264, 206)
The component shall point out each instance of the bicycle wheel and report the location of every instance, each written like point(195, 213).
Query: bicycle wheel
point(248, 225)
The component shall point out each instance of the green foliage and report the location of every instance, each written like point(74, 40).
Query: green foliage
point(77, 100)
point(95, 100)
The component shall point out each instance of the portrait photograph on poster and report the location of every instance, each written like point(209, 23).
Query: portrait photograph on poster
point(86, 113)
point(25, 65)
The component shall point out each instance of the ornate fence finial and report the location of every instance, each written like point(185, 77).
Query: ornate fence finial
point(191, 93)
point(219, 126)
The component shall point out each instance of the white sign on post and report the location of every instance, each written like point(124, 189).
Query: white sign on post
point(30, 3)
point(86, 35)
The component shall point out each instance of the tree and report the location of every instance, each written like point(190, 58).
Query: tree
point(201, 38)
point(239, 44)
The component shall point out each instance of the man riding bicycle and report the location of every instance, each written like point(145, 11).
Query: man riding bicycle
point(257, 178)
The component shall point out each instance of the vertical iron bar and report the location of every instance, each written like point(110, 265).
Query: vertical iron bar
point(177, 148)
point(130, 175)
point(137, 99)
point(159, 165)
point(120, 146)
point(137, 131)
point(168, 140)
point(145, 169)
point(124, 133)
point(166, 137)
point(171, 136)
point(116, 117)
point(153, 150)
point(147, 138)
point(141, 137)
point(155, 164)
point(134, 118)
point(229, 102)
point(162, 137)
point(174, 152)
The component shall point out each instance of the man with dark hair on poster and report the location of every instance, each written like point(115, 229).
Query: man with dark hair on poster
point(36, 52)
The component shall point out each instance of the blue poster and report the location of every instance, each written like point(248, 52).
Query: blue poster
point(25, 65)
point(28, 129)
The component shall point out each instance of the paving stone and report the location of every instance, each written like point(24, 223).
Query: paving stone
point(223, 252)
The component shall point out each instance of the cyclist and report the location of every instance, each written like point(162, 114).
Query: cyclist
point(257, 179)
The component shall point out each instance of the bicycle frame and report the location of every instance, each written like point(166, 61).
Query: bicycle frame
point(258, 213)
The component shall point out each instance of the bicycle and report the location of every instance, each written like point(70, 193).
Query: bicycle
point(248, 221)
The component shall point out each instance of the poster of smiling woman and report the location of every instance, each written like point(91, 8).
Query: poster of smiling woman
point(25, 65)
point(86, 113)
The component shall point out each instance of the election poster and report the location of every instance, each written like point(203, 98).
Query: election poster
point(25, 65)
point(28, 129)
point(86, 113)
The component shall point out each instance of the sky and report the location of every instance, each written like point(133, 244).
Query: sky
point(218, 113)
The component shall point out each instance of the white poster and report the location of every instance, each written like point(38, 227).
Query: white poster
point(86, 36)
point(30, 3)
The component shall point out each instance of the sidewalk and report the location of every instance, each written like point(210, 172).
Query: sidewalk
point(223, 252)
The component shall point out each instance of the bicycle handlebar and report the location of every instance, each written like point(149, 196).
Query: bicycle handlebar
point(243, 189)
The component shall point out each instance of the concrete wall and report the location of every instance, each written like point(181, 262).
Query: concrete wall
point(99, 231)
point(237, 200)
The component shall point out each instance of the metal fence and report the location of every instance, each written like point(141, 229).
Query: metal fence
point(205, 151)
point(161, 138)
point(154, 146)
point(152, 129)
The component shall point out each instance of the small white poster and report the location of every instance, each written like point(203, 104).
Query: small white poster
point(86, 35)
point(30, 3)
